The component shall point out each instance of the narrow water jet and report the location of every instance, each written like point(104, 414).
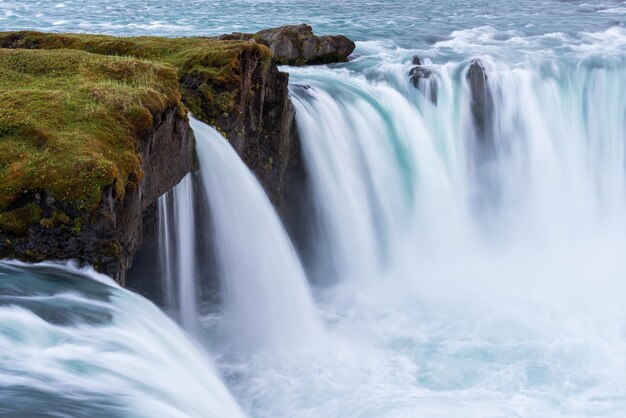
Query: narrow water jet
point(177, 252)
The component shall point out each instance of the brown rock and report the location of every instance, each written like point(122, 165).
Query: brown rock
point(297, 45)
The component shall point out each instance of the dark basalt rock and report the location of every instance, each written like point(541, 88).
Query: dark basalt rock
point(487, 194)
point(421, 78)
point(416, 60)
point(260, 128)
point(297, 45)
point(248, 103)
point(481, 100)
point(419, 73)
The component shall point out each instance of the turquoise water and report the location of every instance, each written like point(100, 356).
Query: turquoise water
point(406, 23)
point(449, 281)
point(74, 344)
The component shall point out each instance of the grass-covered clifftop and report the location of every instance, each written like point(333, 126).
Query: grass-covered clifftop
point(72, 107)
point(208, 68)
point(69, 121)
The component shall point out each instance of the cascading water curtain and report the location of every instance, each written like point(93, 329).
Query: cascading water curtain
point(266, 295)
point(390, 168)
point(177, 252)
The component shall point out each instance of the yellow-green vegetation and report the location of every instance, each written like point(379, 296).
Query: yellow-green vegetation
point(72, 107)
point(69, 122)
point(208, 68)
point(57, 218)
point(18, 220)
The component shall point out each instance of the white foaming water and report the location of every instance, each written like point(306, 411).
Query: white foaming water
point(266, 294)
point(177, 252)
point(388, 163)
point(512, 308)
point(466, 286)
point(74, 344)
point(165, 250)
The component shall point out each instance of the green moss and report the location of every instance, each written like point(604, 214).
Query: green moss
point(208, 68)
point(78, 226)
point(68, 122)
point(57, 219)
point(73, 106)
point(18, 220)
point(111, 249)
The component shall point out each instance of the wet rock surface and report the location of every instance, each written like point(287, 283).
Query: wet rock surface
point(422, 79)
point(481, 100)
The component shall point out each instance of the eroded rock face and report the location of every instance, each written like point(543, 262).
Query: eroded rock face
point(297, 45)
point(109, 238)
point(260, 128)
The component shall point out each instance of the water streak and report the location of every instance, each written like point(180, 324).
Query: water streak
point(265, 289)
point(177, 247)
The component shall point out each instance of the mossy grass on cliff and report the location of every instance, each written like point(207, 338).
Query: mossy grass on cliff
point(69, 122)
point(208, 68)
point(72, 107)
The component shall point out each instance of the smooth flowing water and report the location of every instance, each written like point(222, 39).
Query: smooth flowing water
point(177, 252)
point(266, 295)
point(74, 344)
point(452, 275)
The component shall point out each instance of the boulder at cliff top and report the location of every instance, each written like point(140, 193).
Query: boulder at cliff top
point(297, 45)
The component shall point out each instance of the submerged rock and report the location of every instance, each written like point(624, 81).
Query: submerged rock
point(297, 45)
point(421, 78)
point(418, 74)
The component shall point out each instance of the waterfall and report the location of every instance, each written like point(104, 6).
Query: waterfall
point(75, 344)
point(264, 286)
point(389, 166)
point(177, 252)
point(379, 169)
point(461, 215)
point(479, 269)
